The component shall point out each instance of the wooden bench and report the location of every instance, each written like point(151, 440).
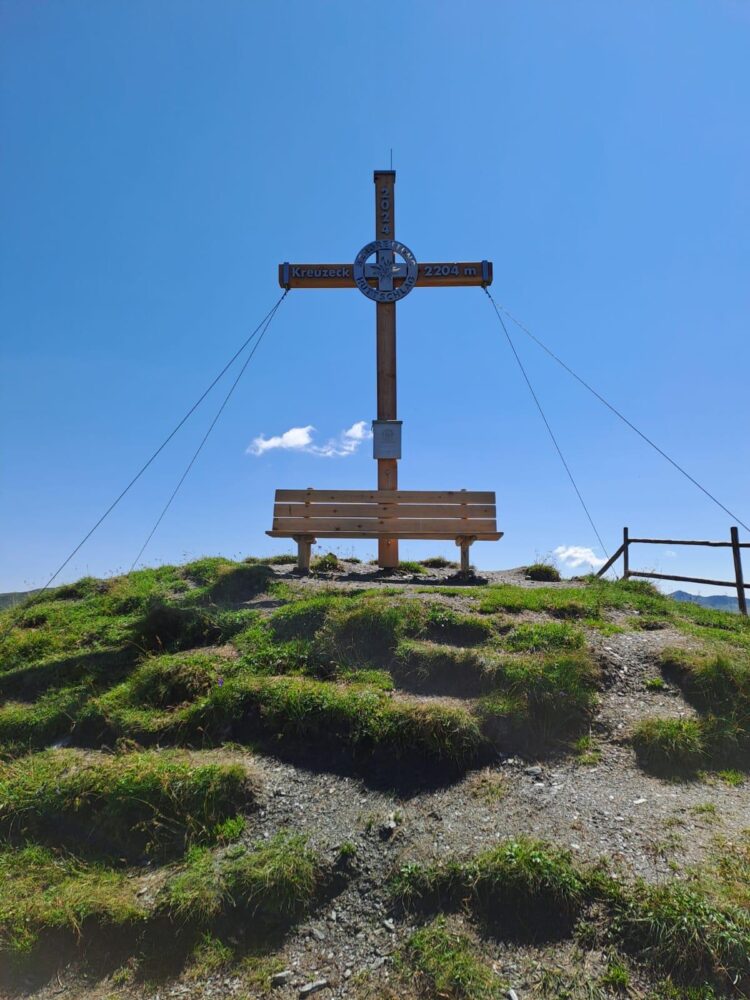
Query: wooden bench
point(306, 515)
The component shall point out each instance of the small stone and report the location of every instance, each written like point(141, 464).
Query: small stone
point(388, 828)
point(281, 978)
point(309, 988)
point(389, 925)
point(347, 973)
point(317, 933)
point(534, 771)
point(638, 802)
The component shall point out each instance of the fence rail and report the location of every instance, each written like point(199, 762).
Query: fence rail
point(734, 544)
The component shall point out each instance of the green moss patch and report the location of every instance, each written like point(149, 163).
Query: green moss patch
point(122, 805)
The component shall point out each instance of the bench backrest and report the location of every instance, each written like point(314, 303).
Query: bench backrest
point(451, 512)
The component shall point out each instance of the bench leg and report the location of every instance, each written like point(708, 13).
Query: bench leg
point(388, 553)
point(465, 544)
point(304, 547)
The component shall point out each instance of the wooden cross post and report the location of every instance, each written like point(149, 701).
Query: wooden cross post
point(385, 334)
point(385, 282)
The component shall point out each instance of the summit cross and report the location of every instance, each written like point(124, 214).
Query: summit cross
point(385, 282)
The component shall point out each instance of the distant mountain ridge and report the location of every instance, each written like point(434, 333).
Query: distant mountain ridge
point(10, 600)
point(721, 602)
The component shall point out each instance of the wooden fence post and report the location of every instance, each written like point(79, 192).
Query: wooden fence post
point(737, 553)
point(625, 554)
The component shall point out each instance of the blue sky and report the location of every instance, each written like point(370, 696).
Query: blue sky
point(160, 159)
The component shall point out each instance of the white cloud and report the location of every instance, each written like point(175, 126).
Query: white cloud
point(301, 439)
point(296, 438)
point(577, 555)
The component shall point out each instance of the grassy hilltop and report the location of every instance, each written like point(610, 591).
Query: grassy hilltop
point(152, 725)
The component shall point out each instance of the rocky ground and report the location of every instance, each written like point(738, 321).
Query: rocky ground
point(598, 804)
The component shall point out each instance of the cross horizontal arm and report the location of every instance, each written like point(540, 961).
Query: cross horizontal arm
point(433, 275)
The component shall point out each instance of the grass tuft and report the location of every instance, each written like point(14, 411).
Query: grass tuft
point(522, 886)
point(284, 559)
point(410, 566)
point(443, 624)
point(33, 725)
point(275, 881)
point(681, 931)
point(349, 722)
point(543, 572)
point(718, 685)
point(441, 669)
point(41, 891)
point(170, 680)
point(538, 637)
point(239, 583)
point(302, 619)
point(438, 562)
point(670, 745)
point(444, 964)
point(121, 805)
point(329, 563)
point(692, 932)
point(366, 633)
point(542, 699)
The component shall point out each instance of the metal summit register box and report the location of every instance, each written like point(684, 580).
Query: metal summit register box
point(386, 438)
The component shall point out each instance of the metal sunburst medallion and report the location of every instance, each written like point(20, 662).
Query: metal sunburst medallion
point(385, 270)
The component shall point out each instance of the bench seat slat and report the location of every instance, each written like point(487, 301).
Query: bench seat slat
point(392, 526)
point(480, 536)
point(382, 510)
point(376, 496)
